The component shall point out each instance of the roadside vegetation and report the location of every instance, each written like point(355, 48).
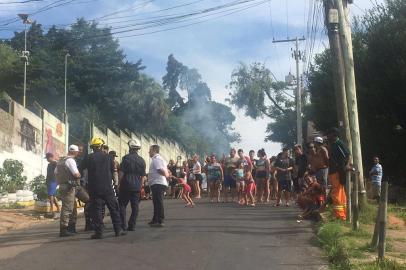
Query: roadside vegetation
point(349, 249)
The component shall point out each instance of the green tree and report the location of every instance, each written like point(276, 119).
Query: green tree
point(380, 68)
point(254, 91)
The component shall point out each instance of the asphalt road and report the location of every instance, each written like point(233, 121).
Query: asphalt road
point(210, 236)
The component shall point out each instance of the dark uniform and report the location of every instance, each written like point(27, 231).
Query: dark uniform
point(133, 169)
point(100, 168)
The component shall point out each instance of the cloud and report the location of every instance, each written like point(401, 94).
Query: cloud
point(214, 47)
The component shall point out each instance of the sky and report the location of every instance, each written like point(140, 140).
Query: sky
point(213, 45)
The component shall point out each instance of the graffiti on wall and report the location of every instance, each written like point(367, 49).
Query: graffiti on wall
point(28, 135)
point(54, 135)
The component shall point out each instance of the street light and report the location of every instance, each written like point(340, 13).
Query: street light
point(25, 53)
point(66, 74)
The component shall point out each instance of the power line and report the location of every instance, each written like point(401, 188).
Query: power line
point(20, 2)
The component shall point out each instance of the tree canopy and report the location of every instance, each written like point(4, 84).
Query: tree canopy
point(107, 89)
point(380, 67)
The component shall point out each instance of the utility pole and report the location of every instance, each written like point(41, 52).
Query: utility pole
point(65, 114)
point(332, 21)
point(298, 95)
point(25, 53)
point(351, 94)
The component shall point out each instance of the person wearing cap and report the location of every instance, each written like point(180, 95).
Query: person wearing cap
point(319, 161)
point(68, 178)
point(339, 163)
point(132, 177)
point(100, 168)
point(51, 182)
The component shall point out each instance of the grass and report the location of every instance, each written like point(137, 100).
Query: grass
point(379, 265)
point(347, 249)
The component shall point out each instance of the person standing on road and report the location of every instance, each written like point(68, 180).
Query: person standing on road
point(301, 168)
point(322, 162)
point(132, 175)
point(68, 178)
point(100, 168)
point(113, 155)
point(339, 163)
point(284, 167)
point(158, 172)
point(51, 182)
point(214, 177)
point(230, 166)
point(375, 174)
point(262, 176)
point(197, 171)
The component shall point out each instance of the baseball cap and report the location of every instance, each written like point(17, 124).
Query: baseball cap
point(73, 148)
point(113, 153)
point(49, 155)
point(134, 143)
point(318, 139)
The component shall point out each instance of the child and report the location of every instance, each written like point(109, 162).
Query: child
point(249, 188)
point(186, 190)
point(239, 175)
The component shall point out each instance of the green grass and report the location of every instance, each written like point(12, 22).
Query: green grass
point(347, 249)
point(368, 213)
point(377, 265)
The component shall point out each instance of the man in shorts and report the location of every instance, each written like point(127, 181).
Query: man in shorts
point(230, 165)
point(51, 182)
point(284, 167)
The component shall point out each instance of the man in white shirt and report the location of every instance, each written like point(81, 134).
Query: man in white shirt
point(158, 172)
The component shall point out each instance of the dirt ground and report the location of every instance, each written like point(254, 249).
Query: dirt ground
point(397, 234)
point(12, 219)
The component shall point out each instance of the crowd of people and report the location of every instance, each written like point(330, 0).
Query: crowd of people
point(311, 177)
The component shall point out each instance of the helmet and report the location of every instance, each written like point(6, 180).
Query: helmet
point(134, 143)
point(318, 139)
point(97, 142)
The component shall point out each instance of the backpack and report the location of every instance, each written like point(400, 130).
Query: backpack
point(63, 174)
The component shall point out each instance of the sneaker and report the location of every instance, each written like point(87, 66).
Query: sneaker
point(120, 233)
point(158, 225)
point(96, 236)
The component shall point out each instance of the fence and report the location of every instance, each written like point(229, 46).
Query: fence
point(118, 142)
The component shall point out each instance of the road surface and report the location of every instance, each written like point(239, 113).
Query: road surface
point(210, 236)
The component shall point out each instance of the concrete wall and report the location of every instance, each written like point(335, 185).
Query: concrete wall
point(118, 142)
point(26, 137)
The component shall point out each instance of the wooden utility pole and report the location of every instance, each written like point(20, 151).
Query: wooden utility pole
point(331, 21)
point(297, 54)
point(350, 87)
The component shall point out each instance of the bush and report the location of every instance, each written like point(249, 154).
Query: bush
point(11, 178)
point(39, 187)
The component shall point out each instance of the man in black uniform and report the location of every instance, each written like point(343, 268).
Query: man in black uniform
point(132, 171)
point(100, 168)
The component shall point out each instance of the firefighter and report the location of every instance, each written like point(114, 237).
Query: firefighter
point(100, 168)
point(132, 172)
